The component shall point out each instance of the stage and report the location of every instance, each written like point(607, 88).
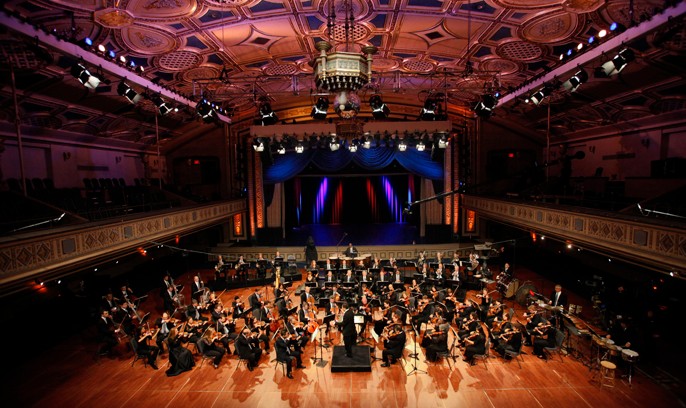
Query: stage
point(360, 362)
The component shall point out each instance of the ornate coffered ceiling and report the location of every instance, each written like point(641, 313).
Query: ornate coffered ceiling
point(234, 51)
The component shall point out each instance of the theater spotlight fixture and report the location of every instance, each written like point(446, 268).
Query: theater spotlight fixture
point(319, 110)
point(379, 109)
point(281, 149)
point(430, 110)
point(575, 81)
point(484, 108)
point(299, 148)
point(123, 89)
point(367, 142)
point(541, 94)
point(353, 146)
point(205, 111)
point(161, 105)
point(88, 80)
point(443, 141)
point(616, 65)
point(334, 144)
point(258, 145)
point(402, 146)
point(421, 146)
point(266, 115)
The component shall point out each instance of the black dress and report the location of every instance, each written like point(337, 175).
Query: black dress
point(180, 358)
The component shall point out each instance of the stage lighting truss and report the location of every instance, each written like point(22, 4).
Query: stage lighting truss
point(205, 111)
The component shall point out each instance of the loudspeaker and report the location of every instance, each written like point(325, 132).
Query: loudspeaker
point(523, 292)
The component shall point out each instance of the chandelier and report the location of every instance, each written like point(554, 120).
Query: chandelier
point(343, 72)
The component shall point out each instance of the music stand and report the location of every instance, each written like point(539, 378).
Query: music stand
point(373, 349)
point(454, 347)
point(322, 362)
point(359, 319)
point(325, 322)
point(414, 356)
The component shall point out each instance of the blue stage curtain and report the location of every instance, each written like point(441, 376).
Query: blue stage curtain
point(290, 165)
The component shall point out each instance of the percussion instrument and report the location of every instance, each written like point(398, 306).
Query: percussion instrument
point(629, 356)
point(614, 350)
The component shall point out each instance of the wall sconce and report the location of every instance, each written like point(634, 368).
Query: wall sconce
point(66, 156)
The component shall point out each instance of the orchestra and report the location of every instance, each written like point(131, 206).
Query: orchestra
point(378, 294)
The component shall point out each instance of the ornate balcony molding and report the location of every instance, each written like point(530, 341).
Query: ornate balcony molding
point(56, 252)
point(658, 247)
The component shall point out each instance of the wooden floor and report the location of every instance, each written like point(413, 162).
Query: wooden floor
point(69, 374)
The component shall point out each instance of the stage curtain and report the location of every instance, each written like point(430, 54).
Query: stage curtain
point(290, 165)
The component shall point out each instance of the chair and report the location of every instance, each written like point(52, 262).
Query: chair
point(200, 346)
point(607, 373)
point(241, 360)
point(516, 354)
point(137, 354)
point(559, 339)
point(446, 356)
point(283, 366)
point(484, 357)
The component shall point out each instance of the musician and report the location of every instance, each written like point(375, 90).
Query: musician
point(313, 268)
point(509, 340)
point(107, 332)
point(476, 344)
point(383, 279)
point(359, 266)
point(164, 324)
point(194, 309)
point(304, 313)
point(424, 271)
point(192, 331)
point(485, 304)
point(439, 276)
point(266, 317)
point(394, 342)
point(211, 348)
point(425, 311)
point(349, 278)
point(170, 299)
point(125, 316)
point(126, 292)
point(238, 307)
point(197, 288)
point(350, 251)
point(386, 319)
point(241, 268)
point(259, 329)
point(180, 358)
point(247, 350)
point(365, 277)
point(544, 336)
point(558, 298)
point(533, 319)
point(109, 302)
point(422, 258)
point(281, 306)
point(218, 312)
point(376, 264)
point(142, 337)
point(328, 266)
point(285, 354)
point(329, 277)
point(437, 340)
point(456, 274)
point(624, 335)
point(468, 325)
point(227, 330)
point(255, 300)
point(219, 267)
point(331, 307)
point(507, 272)
point(306, 296)
point(295, 328)
point(398, 278)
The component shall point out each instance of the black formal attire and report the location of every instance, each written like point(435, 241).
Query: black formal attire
point(197, 290)
point(560, 300)
point(255, 302)
point(349, 332)
point(547, 340)
point(164, 327)
point(248, 351)
point(393, 347)
point(169, 302)
point(350, 252)
point(479, 347)
point(106, 334)
point(436, 344)
point(194, 312)
point(151, 351)
point(284, 354)
point(180, 358)
point(513, 343)
point(212, 350)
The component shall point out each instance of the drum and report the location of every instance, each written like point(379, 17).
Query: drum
point(629, 356)
point(512, 288)
point(523, 292)
point(614, 350)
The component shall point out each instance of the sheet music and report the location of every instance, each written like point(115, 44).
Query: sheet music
point(374, 336)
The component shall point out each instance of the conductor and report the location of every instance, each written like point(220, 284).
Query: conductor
point(348, 329)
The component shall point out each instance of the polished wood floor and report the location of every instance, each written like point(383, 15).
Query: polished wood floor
point(69, 374)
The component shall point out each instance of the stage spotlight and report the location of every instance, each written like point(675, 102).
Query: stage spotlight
point(575, 81)
point(161, 105)
point(616, 65)
point(319, 110)
point(484, 108)
point(299, 148)
point(101, 48)
point(127, 92)
point(334, 144)
point(111, 55)
point(367, 142)
point(87, 43)
point(88, 80)
point(430, 110)
point(602, 33)
point(443, 141)
point(541, 94)
point(402, 146)
point(122, 60)
point(204, 110)
point(379, 109)
point(354, 144)
point(421, 146)
point(258, 145)
point(266, 115)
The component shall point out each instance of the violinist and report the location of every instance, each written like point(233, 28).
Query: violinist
point(415, 288)
point(245, 344)
point(125, 317)
point(180, 358)
point(109, 302)
point(192, 331)
point(509, 340)
point(259, 330)
point(533, 319)
point(218, 312)
point(286, 352)
point(386, 318)
point(164, 324)
point(255, 301)
point(194, 309)
point(126, 293)
point(468, 325)
point(331, 307)
point(226, 327)
point(297, 331)
point(425, 309)
point(485, 303)
point(142, 337)
point(394, 339)
point(211, 348)
point(475, 344)
point(436, 339)
point(238, 307)
point(267, 318)
point(544, 336)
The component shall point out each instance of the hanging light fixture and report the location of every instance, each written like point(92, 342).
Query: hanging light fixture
point(319, 110)
point(84, 76)
point(123, 89)
point(379, 109)
point(343, 72)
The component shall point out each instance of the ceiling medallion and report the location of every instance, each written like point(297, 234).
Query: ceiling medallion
point(343, 72)
point(113, 18)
